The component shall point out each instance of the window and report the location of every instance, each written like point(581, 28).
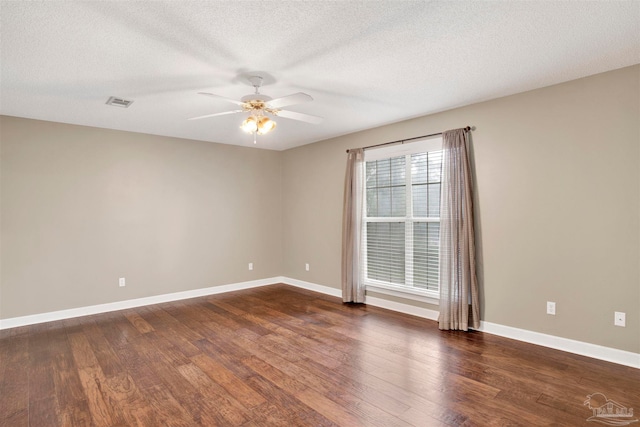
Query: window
point(401, 224)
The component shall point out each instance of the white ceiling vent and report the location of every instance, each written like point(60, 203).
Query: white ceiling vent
point(119, 102)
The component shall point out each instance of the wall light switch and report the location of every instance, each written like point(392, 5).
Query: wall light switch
point(250, 266)
point(121, 282)
point(306, 266)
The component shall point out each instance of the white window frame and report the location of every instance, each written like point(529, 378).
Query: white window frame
point(407, 292)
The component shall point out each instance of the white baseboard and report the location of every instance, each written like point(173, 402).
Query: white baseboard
point(138, 302)
point(402, 308)
point(327, 290)
point(376, 302)
point(608, 354)
point(594, 351)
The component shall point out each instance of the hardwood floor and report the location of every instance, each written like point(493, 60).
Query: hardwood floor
point(282, 356)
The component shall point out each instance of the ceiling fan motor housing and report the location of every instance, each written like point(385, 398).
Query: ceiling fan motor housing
point(256, 97)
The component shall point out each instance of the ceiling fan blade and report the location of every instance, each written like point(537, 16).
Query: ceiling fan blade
point(300, 116)
point(285, 101)
point(216, 114)
point(213, 95)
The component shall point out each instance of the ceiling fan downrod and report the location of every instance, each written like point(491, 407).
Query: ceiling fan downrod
point(256, 82)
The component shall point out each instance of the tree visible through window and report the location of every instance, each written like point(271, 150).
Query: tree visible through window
point(402, 219)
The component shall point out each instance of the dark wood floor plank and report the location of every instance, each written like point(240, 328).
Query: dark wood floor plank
point(169, 316)
point(14, 389)
point(231, 383)
point(105, 355)
point(94, 383)
point(77, 415)
point(171, 387)
point(136, 410)
point(282, 409)
point(283, 356)
point(217, 401)
point(130, 347)
point(277, 377)
point(139, 323)
point(41, 360)
point(328, 408)
point(167, 409)
point(70, 395)
point(626, 386)
point(226, 353)
point(329, 383)
point(45, 412)
point(368, 413)
point(91, 383)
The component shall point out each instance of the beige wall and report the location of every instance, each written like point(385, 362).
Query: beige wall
point(558, 205)
point(82, 207)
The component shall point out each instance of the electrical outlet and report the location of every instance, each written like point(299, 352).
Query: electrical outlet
point(250, 266)
point(551, 308)
point(306, 266)
point(121, 282)
point(620, 319)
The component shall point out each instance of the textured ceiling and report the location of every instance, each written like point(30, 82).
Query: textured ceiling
point(365, 63)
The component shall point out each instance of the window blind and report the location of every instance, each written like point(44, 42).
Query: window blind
point(401, 236)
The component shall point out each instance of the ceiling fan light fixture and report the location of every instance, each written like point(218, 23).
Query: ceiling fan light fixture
point(250, 125)
point(265, 125)
point(258, 106)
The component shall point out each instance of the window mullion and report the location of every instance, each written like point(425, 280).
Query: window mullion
point(408, 228)
point(363, 234)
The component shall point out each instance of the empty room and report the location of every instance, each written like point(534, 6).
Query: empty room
point(319, 213)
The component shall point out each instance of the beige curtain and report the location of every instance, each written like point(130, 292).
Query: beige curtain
point(459, 308)
point(352, 286)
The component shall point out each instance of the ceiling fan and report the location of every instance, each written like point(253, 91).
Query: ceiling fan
point(260, 106)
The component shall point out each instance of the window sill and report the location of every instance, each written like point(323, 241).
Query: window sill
point(428, 297)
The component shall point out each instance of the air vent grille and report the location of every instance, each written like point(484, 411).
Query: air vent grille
point(119, 102)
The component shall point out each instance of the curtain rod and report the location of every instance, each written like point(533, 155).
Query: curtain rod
point(402, 141)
